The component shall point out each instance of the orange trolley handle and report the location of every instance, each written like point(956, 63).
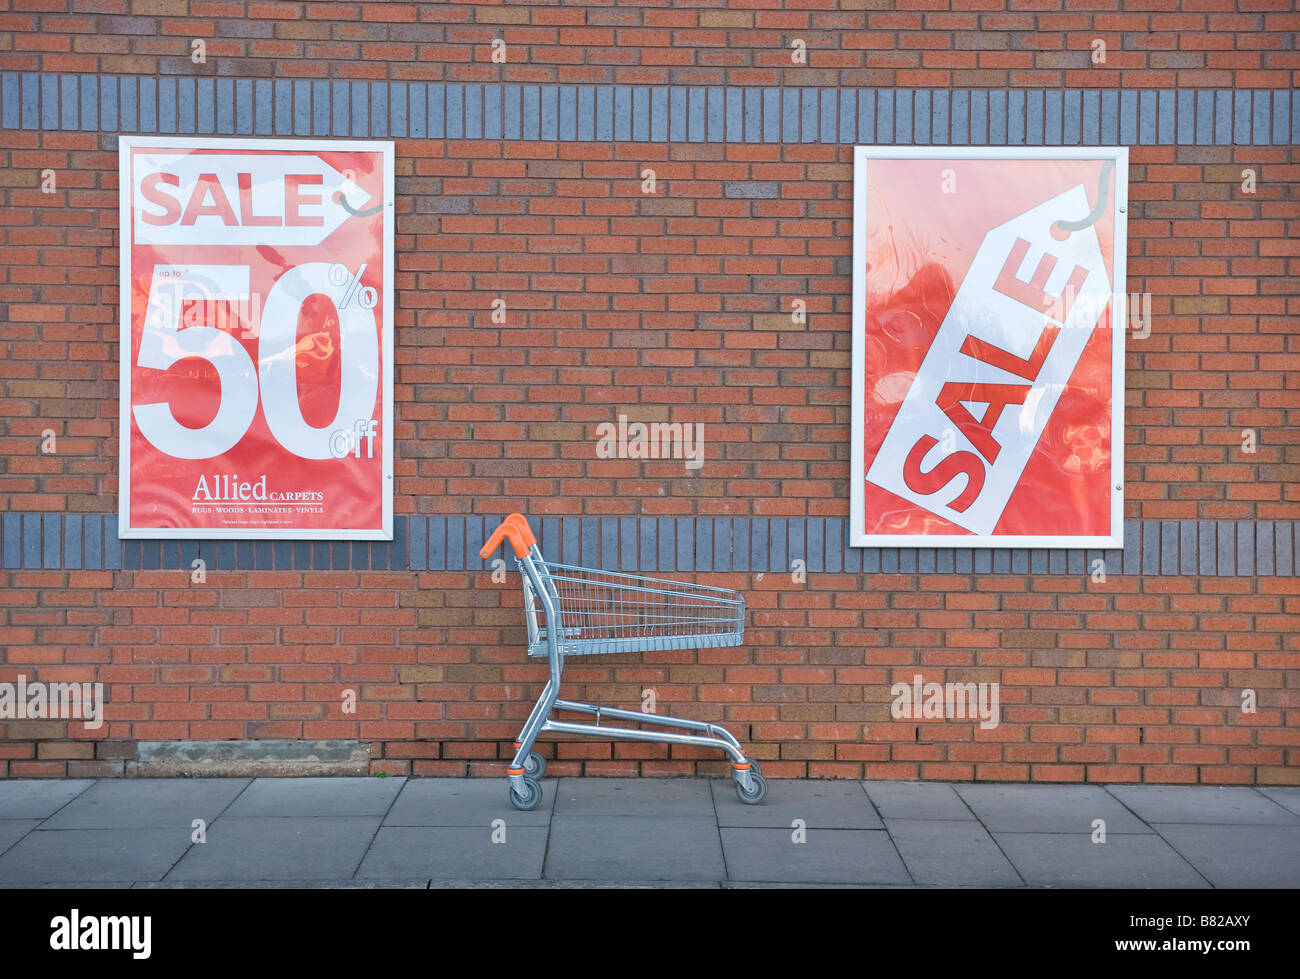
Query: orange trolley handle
point(515, 529)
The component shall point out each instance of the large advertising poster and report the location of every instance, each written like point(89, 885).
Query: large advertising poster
point(988, 347)
point(256, 338)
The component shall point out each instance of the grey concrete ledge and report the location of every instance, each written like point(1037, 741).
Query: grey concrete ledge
point(640, 113)
point(211, 759)
point(1210, 548)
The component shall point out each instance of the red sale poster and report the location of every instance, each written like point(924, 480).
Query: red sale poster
point(988, 347)
point(256, 338)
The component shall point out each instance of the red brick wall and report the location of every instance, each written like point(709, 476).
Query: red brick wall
point(885, 43)
point(672, 303)
point(1131, 680)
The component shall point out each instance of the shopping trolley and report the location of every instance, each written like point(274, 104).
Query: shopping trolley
point(585, 612)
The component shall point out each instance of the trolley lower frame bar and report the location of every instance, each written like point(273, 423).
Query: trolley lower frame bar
point(715, 737)
point(539, 721)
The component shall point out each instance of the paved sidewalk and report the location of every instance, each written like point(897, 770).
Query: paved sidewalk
point(398, 832)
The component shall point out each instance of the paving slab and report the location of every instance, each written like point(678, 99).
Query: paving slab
point(642, 847)
point(632, 797)
point(396, 884)
point(917, 800)
point(465, 802)
point(1253, 856)
point(585, 885)
point(38, 798)
point(278, 848)
point(76, 855)
point(1073, 860)
point(1048, 809)
point(821, 804)
point(456, 851)
point(148, 803)
point(322, 832)
point(317, 797)
point(69, 885)
point(13, 830)
point(846, 856)
point(1224, 805)
point(1287, 796)
point(951, 853)
point(784, 885)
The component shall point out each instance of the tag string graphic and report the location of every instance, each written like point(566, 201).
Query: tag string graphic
point(356, 211)
point(1103, 194)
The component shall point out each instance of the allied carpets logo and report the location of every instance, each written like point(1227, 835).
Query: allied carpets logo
point(102, 933)
point(226, 494)
point(35, 700)
point(227, 488)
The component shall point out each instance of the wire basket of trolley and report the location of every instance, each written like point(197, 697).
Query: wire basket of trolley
point(573, 611)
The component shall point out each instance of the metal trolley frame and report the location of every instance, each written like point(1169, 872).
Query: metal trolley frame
point(573, 611)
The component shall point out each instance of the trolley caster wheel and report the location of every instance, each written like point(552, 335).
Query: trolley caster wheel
point(756, 792)
point(531, 797)
point(754, 766)
point(534, 765)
